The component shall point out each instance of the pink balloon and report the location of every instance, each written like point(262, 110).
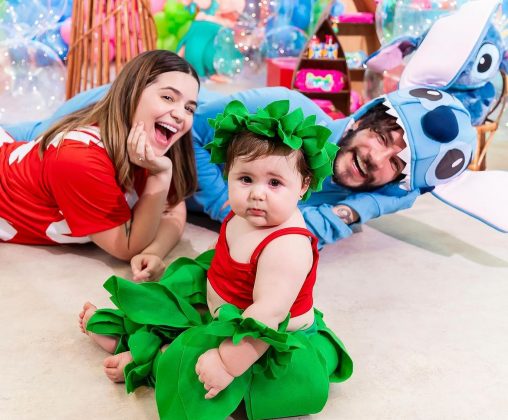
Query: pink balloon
point(65, 30)
point(157, 5)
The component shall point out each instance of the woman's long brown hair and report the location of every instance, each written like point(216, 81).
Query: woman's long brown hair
point(113, 114)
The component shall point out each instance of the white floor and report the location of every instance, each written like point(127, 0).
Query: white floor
point(419, 298)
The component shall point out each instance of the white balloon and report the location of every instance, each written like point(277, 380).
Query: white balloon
point(32, 81)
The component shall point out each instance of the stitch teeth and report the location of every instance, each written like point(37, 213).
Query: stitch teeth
point(405, 155)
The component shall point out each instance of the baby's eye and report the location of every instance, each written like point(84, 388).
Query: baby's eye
point(190, 109)
point(246, 179)
point(168, 98)
point(274, 182)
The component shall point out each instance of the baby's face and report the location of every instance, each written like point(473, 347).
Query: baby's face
point(265, 191)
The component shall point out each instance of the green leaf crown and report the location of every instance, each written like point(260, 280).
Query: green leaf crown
point(276, 122)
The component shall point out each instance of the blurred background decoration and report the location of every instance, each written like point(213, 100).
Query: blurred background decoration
point(222, 39)
point(32, 54)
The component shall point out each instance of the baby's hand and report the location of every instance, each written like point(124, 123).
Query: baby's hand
point(212, 373)
point(141, 153)
point(147, 267)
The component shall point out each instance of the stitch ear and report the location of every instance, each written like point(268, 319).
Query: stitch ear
point(480, 195)
point(392, 54)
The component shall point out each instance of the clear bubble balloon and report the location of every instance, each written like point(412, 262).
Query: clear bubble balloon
point(27, 18)
point(53, 39)
point(32, 81)
point(284, 41)
point(227, 60)
point(395, 18)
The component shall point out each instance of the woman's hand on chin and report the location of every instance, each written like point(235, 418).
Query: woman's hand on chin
point(141, 153)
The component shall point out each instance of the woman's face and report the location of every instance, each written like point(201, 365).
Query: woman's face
point(166, 108)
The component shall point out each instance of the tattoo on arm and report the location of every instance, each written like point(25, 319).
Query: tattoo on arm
point(346, 214)
point(128, 228)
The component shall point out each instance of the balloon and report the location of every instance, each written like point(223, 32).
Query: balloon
point(172, 23)
point(32, 81)
point(65, 30)
point(284, 41)
point(53, 39)
point(301, 16)
point(157, 5)
point(227, 61)
point(27, 18)
point(395, 18)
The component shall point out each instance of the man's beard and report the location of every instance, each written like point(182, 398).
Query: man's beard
point(346, 146)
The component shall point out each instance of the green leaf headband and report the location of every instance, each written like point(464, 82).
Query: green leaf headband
point(276, 122)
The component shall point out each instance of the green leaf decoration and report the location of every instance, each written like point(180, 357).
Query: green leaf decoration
point(276, 122)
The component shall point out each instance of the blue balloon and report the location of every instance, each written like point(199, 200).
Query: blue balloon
point(284, 41)
point(53, 39)
point(302, 12)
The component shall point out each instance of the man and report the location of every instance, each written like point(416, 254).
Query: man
point(379, 145)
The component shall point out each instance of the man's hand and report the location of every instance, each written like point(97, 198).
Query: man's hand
point(212, 373)
point(147, 267)
point(346, 214)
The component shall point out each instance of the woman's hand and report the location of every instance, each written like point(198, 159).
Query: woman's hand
point(212, 373)
point(147, 267)
point(141, 153)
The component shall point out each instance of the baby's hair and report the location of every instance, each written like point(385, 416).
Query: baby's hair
point(251, 146)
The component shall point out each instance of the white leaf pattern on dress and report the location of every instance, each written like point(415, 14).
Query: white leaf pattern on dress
point(59, 231)
point(7, 232)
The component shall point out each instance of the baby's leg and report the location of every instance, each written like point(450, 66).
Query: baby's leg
point(114, 365)
point(107, 342)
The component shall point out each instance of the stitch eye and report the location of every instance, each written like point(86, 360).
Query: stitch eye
point(429, 94)
point(486, 63)
point(451, 163)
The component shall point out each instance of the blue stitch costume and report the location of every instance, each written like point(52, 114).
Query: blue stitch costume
point(461, 53)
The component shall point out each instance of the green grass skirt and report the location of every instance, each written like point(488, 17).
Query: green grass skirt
point(292, 378)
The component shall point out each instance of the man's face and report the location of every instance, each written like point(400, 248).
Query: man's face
point(366, 160)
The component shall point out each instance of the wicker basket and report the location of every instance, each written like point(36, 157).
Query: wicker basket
point(487, 130)
point(94, 22)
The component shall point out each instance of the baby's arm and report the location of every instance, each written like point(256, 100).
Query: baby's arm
point(280, 276)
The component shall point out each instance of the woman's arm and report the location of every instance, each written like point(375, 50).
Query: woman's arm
point(149, 264)
point(131, 238)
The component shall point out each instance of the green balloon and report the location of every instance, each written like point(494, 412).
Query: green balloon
point(171, 7)
point(183, 29)
point(161, 25)
point(169, 43)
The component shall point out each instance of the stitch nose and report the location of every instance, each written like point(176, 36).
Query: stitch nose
point(440, 124)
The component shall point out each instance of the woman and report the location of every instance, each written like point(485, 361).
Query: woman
point(115, 173)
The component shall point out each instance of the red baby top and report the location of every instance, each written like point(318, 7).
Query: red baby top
point(67, 195)
point(234, 281)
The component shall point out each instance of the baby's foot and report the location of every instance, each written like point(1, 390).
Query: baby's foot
point(87, 312)
point(107, 342)
point(114, 365)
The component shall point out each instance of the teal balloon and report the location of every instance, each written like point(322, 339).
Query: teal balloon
point(227, 60)
point(396, 18)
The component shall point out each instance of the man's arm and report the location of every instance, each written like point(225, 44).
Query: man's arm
point(331, 215)
point(385, 200)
